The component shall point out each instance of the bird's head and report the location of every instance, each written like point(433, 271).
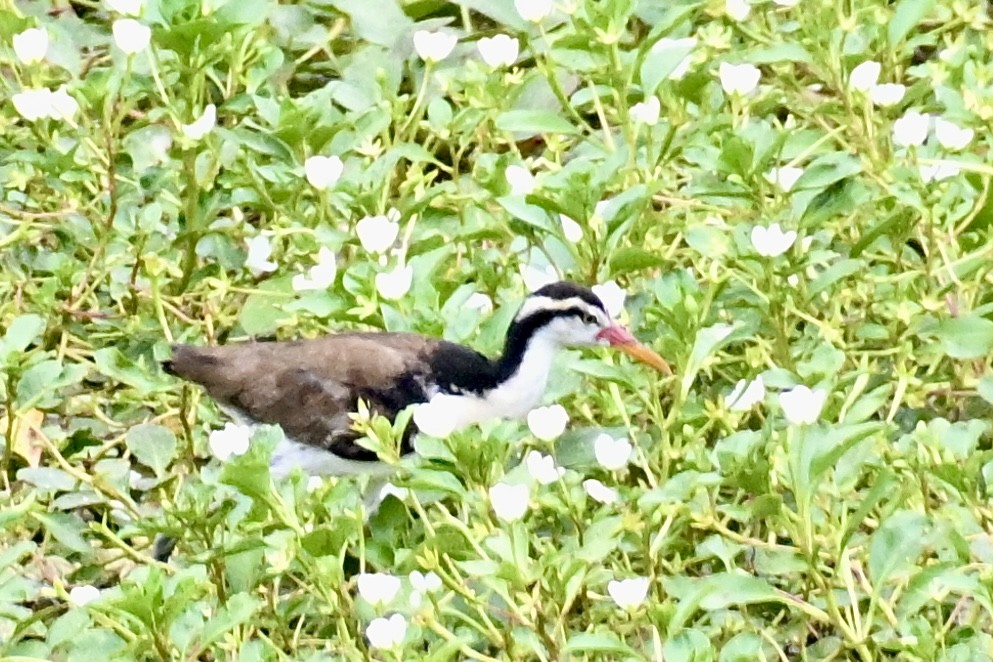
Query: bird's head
point(570, 315)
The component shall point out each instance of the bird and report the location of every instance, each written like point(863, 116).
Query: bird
point(311, 387)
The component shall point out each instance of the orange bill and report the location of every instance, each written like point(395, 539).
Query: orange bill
point(619, 337)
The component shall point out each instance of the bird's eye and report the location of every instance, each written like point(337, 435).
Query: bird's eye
point(588, 318)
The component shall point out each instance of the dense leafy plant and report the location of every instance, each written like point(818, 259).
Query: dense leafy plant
point(793, 194)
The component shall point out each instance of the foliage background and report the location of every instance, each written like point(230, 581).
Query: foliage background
point(866, 535)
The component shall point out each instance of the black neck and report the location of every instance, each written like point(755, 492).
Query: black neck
point(518, 337)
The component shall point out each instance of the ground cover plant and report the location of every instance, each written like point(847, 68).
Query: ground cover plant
point(789, 200)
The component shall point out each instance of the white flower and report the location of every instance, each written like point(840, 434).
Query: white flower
point(510, 502)
point(320, 276)
point(787, 3)
point(647, 111)
point(536, 278)
point(425, 582)
point(628, 593)
point(481, 302)
point(784, 177)
point(612, 296)
point(127, 7)
point(62, 105)
point(378, 588)
point(600, 208)
point(385, 633)
point(887, 94)
point(230, 440)
point(772, 241)
point(389, 489)
point(864, 77)
point(377, 233)
point(571, 229)
point(315, 483)
point(737, 9)
point(911, 129)
point(434, 46)
point(740, 79)
point(802, 405)
point(83, 595)
point(323, 171)
point(685, 43)
point(936, 172)
point(600, 492)
point(33, 104)
point(131, 36)
point(259, 250)
point(435, 417)
point(31, 45)
point(533, 10)
point(746, 394)
point(202, 125)
point(394, 284)
point(499, 50)
point(547, 423)
point(520, 179)
point(542, 468)
point(612, 454)
point(951, 136)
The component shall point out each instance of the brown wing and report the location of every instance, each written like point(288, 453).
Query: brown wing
point(309, 387)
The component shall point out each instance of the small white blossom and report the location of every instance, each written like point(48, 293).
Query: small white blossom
point(131, 36)
point(865, 76)
point(572, 231)
point(378, 588)
point(434, 418)
point(509, 502)
point(377, 233)
point(320, 276)
point(398, 493)
point(434, 46)
point(542, 468)
point(628, 593)
point(911, 129)
point(612, 454)
point(600, 208)
point(684, 43)
point(802, 405)
point(425, 582)
point(784, 177)
point(739, 79)
point(33, 104)
point(887, 94)
point(315, 483)
point(520, 179)
point(80, 596)
point(499, 50)
point(62, 106)
point(230, 440)
point(952, 136)
point(386, 633)
point(202, 125)
point(547, 423)
point(536, 278)
point(772, 241)
point(737, 9)
point(746, 394)
point(323, 171)
point(126, 7)
point(787, 3)
point(31, 45)
point(259, 251)
point(600, 492)
point(612, 295)
point(936, 172)
point(395, 284)
point(533, 10)
point(481, 302)
point(647, 112)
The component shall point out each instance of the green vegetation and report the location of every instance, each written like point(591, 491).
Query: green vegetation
point(839, 509)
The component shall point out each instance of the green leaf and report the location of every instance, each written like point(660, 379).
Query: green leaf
point(23, 331)
point(985, 388)
point(907, 16)
point(530, 214)
point(895, 547)
point(633, 258)
point(600, 642)
point(531, 122)
point(382, 22)
point(967, 337)
point(152, 445)
point(238, 610)
point(827, 170)
point(47, 478)
point(67, 529)
point(658, 64)
point(708, 341)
